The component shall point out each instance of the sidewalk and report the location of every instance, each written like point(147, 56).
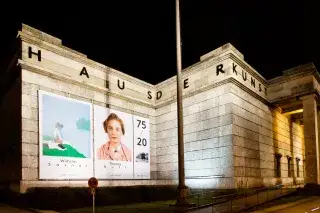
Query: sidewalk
point(274, 208)
point(4, 208)
point(9, 209)
point(154, 207)
point(165, 207)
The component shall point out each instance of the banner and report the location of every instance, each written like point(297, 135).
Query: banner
point(65, 137)
point(113, 139)
point(141, 148)
point(79, 140)
point(121, 145)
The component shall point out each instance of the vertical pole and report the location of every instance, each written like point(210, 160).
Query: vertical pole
point(93, 142)
point(213, 202)
point(198, 200)
point(182, 197)
point(246, 199)
point(93, 200)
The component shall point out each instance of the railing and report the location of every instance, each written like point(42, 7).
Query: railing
point(241, 200)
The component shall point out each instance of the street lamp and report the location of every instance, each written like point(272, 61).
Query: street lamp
point(182, 189)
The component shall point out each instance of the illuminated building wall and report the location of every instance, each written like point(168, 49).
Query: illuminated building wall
point(236, 123)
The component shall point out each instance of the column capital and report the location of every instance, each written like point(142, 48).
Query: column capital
point(308, 97)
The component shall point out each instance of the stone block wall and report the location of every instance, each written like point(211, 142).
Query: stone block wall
point(260, 132)
point(10, 152)
point(207, 138)
point(58, 73)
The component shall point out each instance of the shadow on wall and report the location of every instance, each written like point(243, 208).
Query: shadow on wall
point(10, 152)
point(277, 152)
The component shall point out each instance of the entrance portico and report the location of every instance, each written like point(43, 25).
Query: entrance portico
point(299, 100)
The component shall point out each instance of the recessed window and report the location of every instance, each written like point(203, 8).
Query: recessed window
point(298, 169)
point(278, 165)
point(289, 166)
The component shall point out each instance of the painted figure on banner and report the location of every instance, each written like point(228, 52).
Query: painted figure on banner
point(57, 137)
point(114, 149)
point(65, 127)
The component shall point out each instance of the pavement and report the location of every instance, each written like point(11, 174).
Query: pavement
point(302, 205)
point(307, 205)
point(9, 209)
point(4, 208)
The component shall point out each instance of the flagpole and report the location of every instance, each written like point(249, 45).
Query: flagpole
point(182, 189)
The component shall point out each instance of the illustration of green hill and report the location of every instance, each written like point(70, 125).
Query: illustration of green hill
point(68, 152)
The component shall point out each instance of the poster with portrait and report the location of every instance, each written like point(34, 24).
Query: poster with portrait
point(141, 148)
point(113, 144)
point(65, 137)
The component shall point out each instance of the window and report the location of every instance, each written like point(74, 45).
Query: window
point(278, 165)
point(298, 169)
point(289, 166)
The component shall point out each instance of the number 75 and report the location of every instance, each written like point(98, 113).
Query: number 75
point(142, 123)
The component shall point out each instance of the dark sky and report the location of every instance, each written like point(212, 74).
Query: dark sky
point(138, 37)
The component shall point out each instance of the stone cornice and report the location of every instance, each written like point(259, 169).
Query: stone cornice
point(152, 106)
point(60, 50)
point(131, 79)
point(294, 97)
point(84, 85)
point(41, 35)
point(295, 73)
point(225, 81)
point(193, 69)
point(249, 69)
point(60, 77)
point(204, 64)
point(209, 62)
point(81, 58)
point(166, 82)
point(316, 75)
point(298, 69)
point(53, 44)
point(249, 91)
point(220, 50)
point(284, 79)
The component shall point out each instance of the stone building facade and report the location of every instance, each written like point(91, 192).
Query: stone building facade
point(240, 130)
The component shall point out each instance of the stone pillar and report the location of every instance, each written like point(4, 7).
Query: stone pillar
point(310, 122)
point(318, 113)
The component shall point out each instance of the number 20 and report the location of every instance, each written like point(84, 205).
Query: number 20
point(144, 142)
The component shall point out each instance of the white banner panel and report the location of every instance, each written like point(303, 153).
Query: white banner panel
point(141, 148)
point(113, 137)
point(65, 138)
point(78, 140)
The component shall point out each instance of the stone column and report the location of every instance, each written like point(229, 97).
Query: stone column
point(318, 113)
point(310, 122)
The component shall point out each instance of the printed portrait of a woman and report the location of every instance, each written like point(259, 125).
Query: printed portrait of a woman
point(114, 148)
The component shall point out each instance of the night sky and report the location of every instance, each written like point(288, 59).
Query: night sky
point(138, 37)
